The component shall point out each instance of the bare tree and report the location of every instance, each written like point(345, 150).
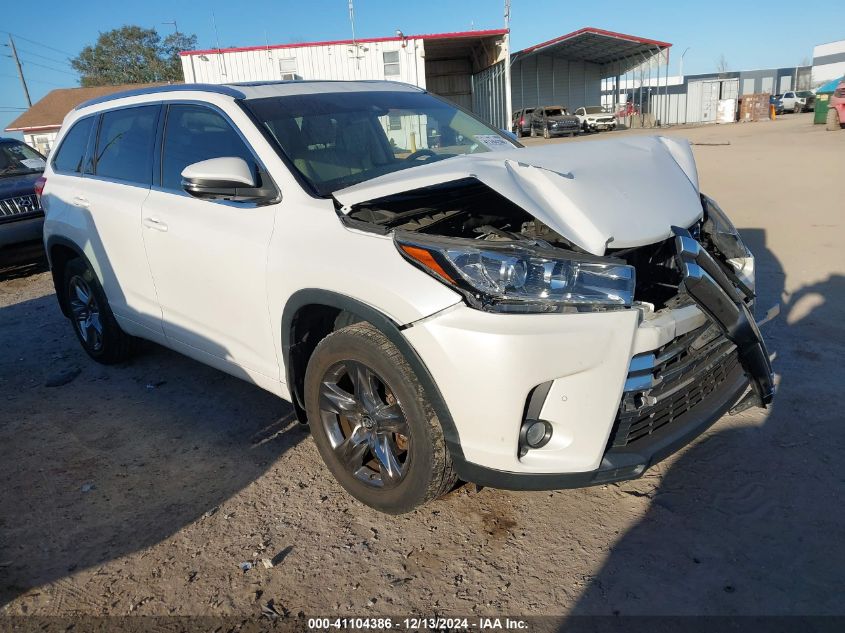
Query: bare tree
point(722, 64)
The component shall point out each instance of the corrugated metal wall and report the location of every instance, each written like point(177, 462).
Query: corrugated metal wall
point(672, 114)
point(334, 61)
point(451, 78)
point(489, 97)
point(540, 80)
point(484, 93)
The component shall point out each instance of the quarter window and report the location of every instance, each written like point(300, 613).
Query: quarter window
point(195, 133)
point(71, 152)
point(125, 144)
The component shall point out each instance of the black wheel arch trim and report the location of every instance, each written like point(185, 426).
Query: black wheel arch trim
point(388, 327)
point(59, 240)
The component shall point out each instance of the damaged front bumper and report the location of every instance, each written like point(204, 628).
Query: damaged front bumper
point(622, 390)
point(708, 284)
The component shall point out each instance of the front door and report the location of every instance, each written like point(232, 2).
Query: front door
point(209, 258)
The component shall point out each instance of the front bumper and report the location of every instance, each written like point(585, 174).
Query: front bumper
point(18, 231)
point(601, 125)
point(561, 130)
point(617, 399)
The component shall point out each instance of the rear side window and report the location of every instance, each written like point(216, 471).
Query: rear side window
point(71, 152)
point(125, 144)
point(195, 133)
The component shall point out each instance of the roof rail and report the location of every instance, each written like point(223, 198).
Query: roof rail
point(283, 82)
point(216, 88)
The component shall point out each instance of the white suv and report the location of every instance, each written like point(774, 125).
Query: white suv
point(437, 302)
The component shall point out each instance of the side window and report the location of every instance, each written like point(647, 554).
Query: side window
point(125, 144)
point(71, 152)
point(391, 63)
point(194, 133)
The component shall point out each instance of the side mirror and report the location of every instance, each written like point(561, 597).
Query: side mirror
point(225, 178)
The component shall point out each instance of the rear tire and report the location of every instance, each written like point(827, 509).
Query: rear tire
point(93, 322)
point(531, 132)
point(372, 422)
point(519, 132)
point(832, 121)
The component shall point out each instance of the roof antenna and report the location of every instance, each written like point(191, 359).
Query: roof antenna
point(220, 59)
point(356, 49)
point(352, 22)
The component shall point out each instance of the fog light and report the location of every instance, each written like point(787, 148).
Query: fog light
point(534, 434)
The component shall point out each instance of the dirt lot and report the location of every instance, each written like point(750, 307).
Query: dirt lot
point(140, 489)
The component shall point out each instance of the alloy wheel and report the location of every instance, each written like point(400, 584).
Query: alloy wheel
point(86, 313)
point(365, 424)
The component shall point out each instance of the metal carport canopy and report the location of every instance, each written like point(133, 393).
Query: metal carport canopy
point(599, 47)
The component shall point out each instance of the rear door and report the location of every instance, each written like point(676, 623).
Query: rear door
point(209, 257)
point(107, 200)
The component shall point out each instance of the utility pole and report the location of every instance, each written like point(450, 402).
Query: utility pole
point(20, 70)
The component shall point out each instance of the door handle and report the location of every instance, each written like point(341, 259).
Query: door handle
point(155, 224)
point(80, 201)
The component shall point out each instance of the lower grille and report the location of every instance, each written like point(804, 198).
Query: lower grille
point(20, 205)
point(675, 380)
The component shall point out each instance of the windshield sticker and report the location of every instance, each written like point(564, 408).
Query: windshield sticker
point(33, 163)
point(492, 141)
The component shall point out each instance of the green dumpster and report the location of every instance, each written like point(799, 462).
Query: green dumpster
point(820, 115)
point(823, 99)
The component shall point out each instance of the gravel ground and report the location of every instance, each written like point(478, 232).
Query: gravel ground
point(142, 488)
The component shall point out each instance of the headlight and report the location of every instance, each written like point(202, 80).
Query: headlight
point(513, 277)
point(723, 235)
point(721, 231)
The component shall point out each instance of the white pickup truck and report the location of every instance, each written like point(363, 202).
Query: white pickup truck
point(798, 101)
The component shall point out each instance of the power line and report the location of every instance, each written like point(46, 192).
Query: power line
point(34, 81)
point(26, 39)
point(58, 70)
point(49, 59)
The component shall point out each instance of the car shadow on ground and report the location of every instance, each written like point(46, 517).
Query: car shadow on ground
point(21, 261)
point(111, 460)
point(749, 519)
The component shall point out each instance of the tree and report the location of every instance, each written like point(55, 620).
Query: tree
point(722, 64)
point(131, 55)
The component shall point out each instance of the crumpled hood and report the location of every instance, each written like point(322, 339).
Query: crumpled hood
point(617, 193)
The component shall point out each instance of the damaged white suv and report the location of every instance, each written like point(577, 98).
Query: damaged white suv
point(437, 302)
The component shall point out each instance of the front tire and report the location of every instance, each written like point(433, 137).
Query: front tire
point(796, 109)
point(546, 134)
point(372, 422)
point(93, 322)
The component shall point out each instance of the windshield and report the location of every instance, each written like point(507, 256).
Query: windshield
point(804, 93)
point(17, 158)
point(555, 111)
point(594, 110)
point(339, 139)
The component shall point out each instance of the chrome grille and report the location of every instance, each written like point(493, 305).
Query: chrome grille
point(20, 205)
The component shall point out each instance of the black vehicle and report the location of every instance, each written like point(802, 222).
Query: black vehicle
point(21, 216)
point(521, 121)
point(553, 121)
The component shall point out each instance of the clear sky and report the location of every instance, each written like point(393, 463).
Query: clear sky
point(751, 35)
